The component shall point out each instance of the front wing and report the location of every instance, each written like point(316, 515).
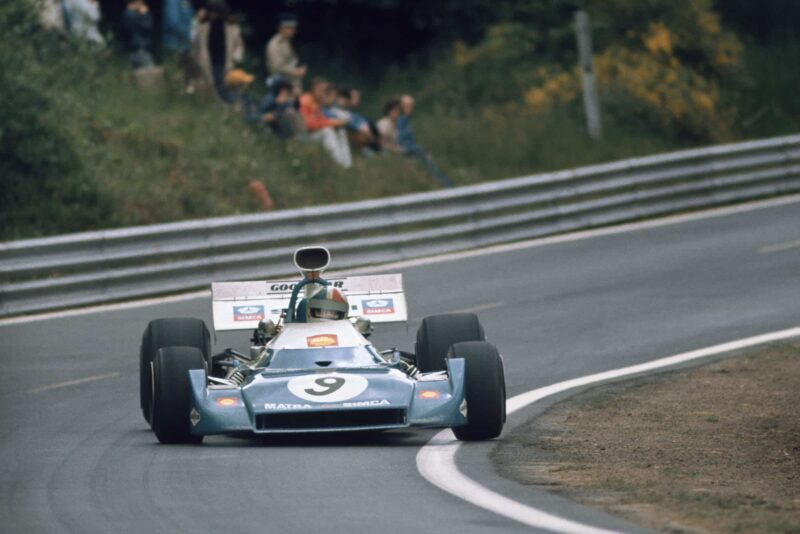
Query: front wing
point(435, 400)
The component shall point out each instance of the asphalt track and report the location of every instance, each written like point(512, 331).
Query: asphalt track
point(78, 457)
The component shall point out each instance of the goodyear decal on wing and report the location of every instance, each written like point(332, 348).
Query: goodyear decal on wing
point(377, 306)
point(248, 313)
point(323, 340)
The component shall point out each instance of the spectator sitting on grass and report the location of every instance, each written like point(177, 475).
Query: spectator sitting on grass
point(359, 129)
point(322, 129)
point(237, 82)
point(405, 138)
point(138, 23)
point(278, 110)
point(387, 127)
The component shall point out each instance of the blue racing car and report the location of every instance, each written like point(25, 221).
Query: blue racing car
point(311, 367)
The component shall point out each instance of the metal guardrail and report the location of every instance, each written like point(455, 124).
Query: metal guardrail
point(104, 266)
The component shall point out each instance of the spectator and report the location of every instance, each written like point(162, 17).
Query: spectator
point(359, 130)
point(81, 18)
point(409, 146)
point(322, 129)
point(280, 57)
point(218, 46)
point(138, 22)
point(278, 110)
point(387, 127)
point(237, 82)
point(51, 15)
point(176, 25)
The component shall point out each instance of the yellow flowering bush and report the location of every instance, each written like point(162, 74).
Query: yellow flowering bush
point(668, 76)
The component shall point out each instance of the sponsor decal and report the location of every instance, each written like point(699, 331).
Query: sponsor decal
point(429, 394)
point(366, 404)
point(377, 306)
point(433, 377)
point(227, 401)
point(463, 407)
point(286, 406)
point(327, 388)
point(323, 340)
point(194, 417)
point(248, 313)
point(287, 286)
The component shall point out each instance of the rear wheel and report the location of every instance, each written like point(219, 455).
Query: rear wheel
point(485, 390)
point(160, 333)
point(172, 393)
point(438, 332)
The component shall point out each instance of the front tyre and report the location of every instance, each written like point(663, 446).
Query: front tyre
point(438, 333)
point(172, 393)
point(485, 390)
point(172, 332)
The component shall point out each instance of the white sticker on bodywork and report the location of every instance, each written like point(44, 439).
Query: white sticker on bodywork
point(332, 387)
point(194, 417)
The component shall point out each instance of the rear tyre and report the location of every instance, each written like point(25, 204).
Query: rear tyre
point(160, 333)
point(438, 332)
point(172, 393)
point(485, 390)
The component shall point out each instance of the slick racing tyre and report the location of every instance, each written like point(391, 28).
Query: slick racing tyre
point(172, 393)
point(438, 332)
point(160, 333)
point(485, 390)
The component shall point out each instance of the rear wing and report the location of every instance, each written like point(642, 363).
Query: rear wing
point(241, 305)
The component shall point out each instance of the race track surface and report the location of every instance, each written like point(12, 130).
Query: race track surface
point(78, 457)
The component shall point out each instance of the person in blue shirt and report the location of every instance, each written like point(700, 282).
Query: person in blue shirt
point(409, 146)
point(176, 25)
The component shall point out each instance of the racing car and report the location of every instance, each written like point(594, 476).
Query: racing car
point(311, 366)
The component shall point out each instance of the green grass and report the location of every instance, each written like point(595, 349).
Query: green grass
point(162, 155)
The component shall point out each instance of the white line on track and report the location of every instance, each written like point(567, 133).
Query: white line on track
point(75, 382)
point(480, 307)
point(436, 460)
point(780, 247)
point(495, 249)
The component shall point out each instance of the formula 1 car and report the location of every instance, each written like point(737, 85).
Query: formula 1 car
point(311, 367)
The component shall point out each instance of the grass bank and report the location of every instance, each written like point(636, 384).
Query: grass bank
point(712, 449)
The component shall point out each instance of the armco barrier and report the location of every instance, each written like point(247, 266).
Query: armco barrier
point(96, 267)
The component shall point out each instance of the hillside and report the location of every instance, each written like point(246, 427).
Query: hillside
point(84, 148)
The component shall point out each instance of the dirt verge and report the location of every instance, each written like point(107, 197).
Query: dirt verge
point(710, 449)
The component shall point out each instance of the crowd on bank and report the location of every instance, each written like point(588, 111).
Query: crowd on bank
point(208, 44)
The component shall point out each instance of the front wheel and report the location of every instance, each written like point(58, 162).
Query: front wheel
point(172, 332)
point(172, 393)
point(485, 390)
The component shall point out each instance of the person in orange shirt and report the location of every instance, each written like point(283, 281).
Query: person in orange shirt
point(329, 132)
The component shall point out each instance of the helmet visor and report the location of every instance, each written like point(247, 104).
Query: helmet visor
point(332, 315)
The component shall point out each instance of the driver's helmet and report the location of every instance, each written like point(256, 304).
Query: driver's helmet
point(327, 304)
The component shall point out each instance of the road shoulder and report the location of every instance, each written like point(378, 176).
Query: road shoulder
point(710, 449)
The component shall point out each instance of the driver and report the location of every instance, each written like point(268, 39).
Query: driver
point(327, 304)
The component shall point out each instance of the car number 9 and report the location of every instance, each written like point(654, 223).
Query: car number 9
point(333, 387)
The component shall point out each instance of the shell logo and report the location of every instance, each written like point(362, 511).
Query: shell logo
point(428, 394)
point(323, 340)
point(227, 401)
